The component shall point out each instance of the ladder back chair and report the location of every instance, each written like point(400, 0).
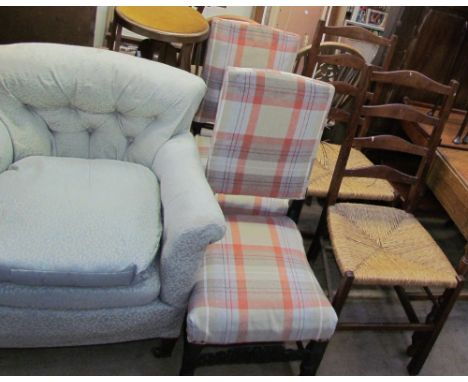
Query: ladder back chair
point(386, 246)
point(256, 288)
point(352, 33)
point(352, 188)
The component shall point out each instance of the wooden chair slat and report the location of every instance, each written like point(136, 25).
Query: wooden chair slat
point(390, 143)
point(347, 60)
point(381, 171)
point(345, 88)
point(398, 111)
point(339, 115)
point(357, 33)
point(413, 79)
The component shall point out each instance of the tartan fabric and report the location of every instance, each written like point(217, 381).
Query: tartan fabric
point(240, 44)
point(255, 285)
point(266, 134)
point(252, 205)
point(242, 204)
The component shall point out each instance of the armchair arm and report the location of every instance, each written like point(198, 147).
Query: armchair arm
point(192, 218)
point(6, 148)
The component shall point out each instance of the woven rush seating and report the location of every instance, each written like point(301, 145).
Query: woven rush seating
point(351, 187)
point(387, 246)
point(255, 286)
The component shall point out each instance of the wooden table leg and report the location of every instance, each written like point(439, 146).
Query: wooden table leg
point(461, 135)
point(113, 29)
point(118, 37)
point(185, 57)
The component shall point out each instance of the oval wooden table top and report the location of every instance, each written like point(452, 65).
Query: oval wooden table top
point(166, 24)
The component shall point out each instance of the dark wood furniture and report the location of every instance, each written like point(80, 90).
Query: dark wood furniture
point(448, 175)
point(387, 48)
point(425, 334)
point(349, 32)
point(439, 55)
point(63, 25)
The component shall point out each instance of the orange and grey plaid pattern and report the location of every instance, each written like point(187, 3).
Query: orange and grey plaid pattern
point(255, 285)
point(252, 205)
point(242, 204)
point(240, 44)
point(266, 133)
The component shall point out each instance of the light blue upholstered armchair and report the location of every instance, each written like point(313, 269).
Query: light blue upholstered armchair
point(104, 208)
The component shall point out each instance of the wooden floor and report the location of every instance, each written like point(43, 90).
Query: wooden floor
point(451, 128)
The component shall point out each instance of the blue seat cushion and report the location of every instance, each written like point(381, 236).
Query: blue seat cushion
point(77, 222)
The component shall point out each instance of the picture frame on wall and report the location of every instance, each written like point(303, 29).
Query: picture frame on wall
point(359, 15)
point(376, 18)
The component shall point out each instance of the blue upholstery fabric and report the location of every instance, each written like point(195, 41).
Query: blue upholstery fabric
point(77, 222)
point(143, 290)
point(79, 102)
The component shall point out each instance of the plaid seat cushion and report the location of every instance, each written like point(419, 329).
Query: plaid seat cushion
point(252, 205)
point(267, 132)
point(240, 44)
point(255, 285)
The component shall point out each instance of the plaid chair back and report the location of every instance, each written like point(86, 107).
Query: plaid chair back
point(244, 45)
point(266, 134)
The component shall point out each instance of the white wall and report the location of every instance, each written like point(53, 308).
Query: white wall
point(238, 11)
point(100, 27)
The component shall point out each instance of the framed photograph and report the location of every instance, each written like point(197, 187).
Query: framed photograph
point(376, 18)
point(359, 14)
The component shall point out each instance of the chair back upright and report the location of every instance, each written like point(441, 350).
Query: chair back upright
point(351, 33)
point(404, 114)
point(246, 45)
point(344, 88)
point(267, 131)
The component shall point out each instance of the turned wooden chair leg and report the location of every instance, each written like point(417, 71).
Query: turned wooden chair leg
point(311, 361)
point(190, 358)
point(342, 293)
point(438, 316)
point(165, 348)
point(315, 246)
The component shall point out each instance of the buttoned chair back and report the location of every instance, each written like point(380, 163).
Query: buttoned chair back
point(69, 101)
point(266, 134)
point(246, 45)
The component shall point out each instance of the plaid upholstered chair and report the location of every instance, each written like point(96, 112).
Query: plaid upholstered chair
point(386, 246)
point(244, 45)
point(241, 44)
point(255, 285)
